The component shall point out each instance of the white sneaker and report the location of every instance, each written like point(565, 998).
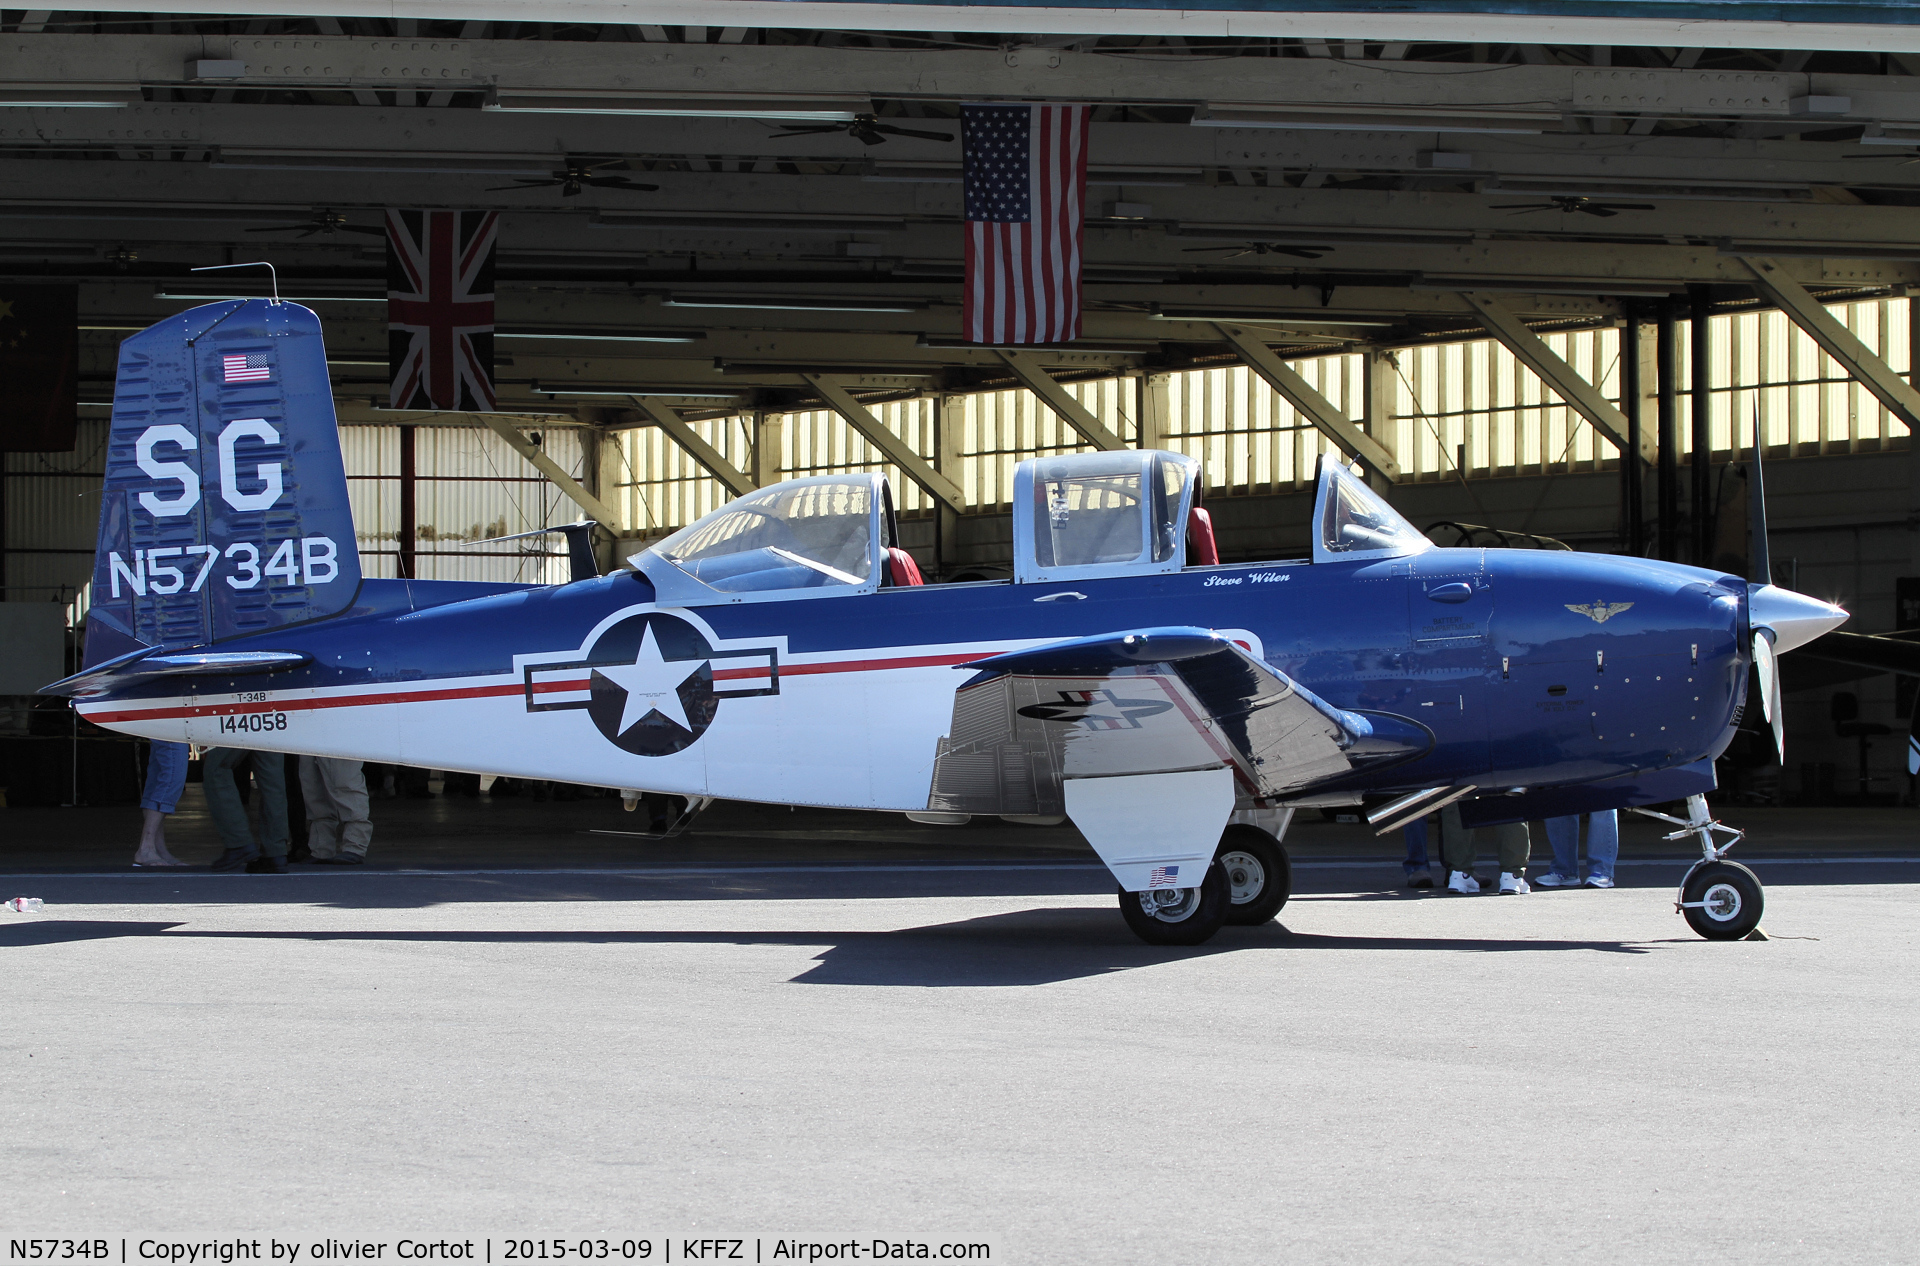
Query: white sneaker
point(1461, 881)
point(1554, 879)
point(1599, 881)
point(1512, 885)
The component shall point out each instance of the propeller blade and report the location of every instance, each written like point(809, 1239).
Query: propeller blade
point(907, 131)
point(1769, 670)
point(1759, 554)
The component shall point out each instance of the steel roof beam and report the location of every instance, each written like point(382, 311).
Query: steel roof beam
point(596, 509)
point(916, 467)
point(1300, 393)
point(1836, 340)
point(663, 416)
point(1532, 351)
point(1027, 369)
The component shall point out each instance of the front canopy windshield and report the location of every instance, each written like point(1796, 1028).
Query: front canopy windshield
point(799, 535)
point(1355, 521)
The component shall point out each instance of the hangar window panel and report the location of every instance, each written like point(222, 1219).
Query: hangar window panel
point(820, 442)
point(658, 486)
point(1000, 429)
point(371, 455)
point(1247, 438)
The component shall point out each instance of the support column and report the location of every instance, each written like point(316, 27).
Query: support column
point(769, 446)
point(1381, 394)
point(947, 427)
point(1153, 408)
point(407, 568)
point(1700, 493)
point(1638, 374)
point(1666, 355)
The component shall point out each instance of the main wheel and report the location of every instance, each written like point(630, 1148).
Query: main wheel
point(1179, 916)
point(1722, 901)
point(1259, 876)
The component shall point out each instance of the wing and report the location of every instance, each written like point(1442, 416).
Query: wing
point(1163, 700)
point(1577, 609)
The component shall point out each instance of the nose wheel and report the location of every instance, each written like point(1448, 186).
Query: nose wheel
point(1721, 900)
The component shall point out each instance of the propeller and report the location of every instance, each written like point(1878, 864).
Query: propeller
point(1571, 204)
point(1779, 618)
point(579, 174)
point(323, 222)
point(1260, 248)
point(865, 128)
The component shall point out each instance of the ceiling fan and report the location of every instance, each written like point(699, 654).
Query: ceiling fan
point(324, 222)
point(1260, 248)
point(579, 174)
point(1571, 204)
point(865, 128)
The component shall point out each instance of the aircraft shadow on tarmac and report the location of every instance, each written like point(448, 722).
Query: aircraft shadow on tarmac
point(1024, 947)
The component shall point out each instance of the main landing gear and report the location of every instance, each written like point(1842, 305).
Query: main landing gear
point(1248, 882)
point(1721, 900)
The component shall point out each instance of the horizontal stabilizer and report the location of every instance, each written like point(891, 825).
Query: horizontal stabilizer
point(143, 665)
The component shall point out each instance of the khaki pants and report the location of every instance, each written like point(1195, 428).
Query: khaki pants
point(1458, 844)
point(336, 792)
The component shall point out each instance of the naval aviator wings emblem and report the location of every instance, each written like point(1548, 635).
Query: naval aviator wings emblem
point(1598, 612)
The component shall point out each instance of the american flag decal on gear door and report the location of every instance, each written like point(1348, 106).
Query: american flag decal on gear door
point(440, 309)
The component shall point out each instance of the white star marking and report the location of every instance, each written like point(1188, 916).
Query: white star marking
point(652, 685)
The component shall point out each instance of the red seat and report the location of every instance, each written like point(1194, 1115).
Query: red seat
point(901, 569)
point(1201, 549)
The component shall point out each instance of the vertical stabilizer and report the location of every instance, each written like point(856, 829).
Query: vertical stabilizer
point(225, 508)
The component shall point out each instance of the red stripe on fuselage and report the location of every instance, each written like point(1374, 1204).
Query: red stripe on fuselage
point(505, 689)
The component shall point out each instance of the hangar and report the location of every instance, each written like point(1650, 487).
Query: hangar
point(1538, 270)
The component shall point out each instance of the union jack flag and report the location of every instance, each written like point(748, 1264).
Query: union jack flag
point(245, 369)
point(1024, 170)
point(440, 309)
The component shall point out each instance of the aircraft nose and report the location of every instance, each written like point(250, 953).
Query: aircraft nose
point(1794, 618)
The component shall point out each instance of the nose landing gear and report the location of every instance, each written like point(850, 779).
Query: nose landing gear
point(1721, 900)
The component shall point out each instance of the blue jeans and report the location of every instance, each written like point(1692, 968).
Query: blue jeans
point(1416, 832)
point(1603, 843)
point(166, 776)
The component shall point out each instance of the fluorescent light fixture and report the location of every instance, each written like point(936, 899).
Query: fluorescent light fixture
point(69, 96)
point(1242, 318)
point(795, 109)
point(788, 305)
point(607, 336)
point(1348, 119)
point(215, 298)
point(627, 393)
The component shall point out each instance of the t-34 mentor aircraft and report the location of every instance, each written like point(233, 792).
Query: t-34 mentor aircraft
point(784, 650)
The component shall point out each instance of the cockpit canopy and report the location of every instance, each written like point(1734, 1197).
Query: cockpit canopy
point(1087, 515)
point(814, 537)
point(1080, 516)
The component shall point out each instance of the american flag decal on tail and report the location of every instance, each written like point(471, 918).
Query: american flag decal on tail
point(440, 309)
point(245, 369)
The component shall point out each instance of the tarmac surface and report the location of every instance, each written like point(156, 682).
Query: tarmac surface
point(814, 1029)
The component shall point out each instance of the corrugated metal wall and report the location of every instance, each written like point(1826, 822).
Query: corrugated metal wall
point(53, 516)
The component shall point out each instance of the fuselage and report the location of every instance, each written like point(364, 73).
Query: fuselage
point(1529, 668)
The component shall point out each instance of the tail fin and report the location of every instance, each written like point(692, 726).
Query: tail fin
point(225, 509)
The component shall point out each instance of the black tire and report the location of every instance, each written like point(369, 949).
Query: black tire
point(1193, 924)
point(1259, 876)
point(1733, 897)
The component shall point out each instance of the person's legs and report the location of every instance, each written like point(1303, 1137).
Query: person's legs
point(223, 804)
point(270, 778)
point(166, 777)
point(1456, 842)
point(1603, 845)
point(347, 788)
point(1416, 833)
point(1515, 845)
point(1563, 834)
point(323, 817)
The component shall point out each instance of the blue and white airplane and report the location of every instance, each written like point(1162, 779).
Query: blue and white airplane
point(783, 650)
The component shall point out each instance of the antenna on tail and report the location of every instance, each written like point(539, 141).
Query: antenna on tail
point(258, 263)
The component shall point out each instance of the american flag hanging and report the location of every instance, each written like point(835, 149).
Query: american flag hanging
point(440, 309)
point(1026, 187)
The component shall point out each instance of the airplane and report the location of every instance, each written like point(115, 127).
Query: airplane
point(783, 650)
